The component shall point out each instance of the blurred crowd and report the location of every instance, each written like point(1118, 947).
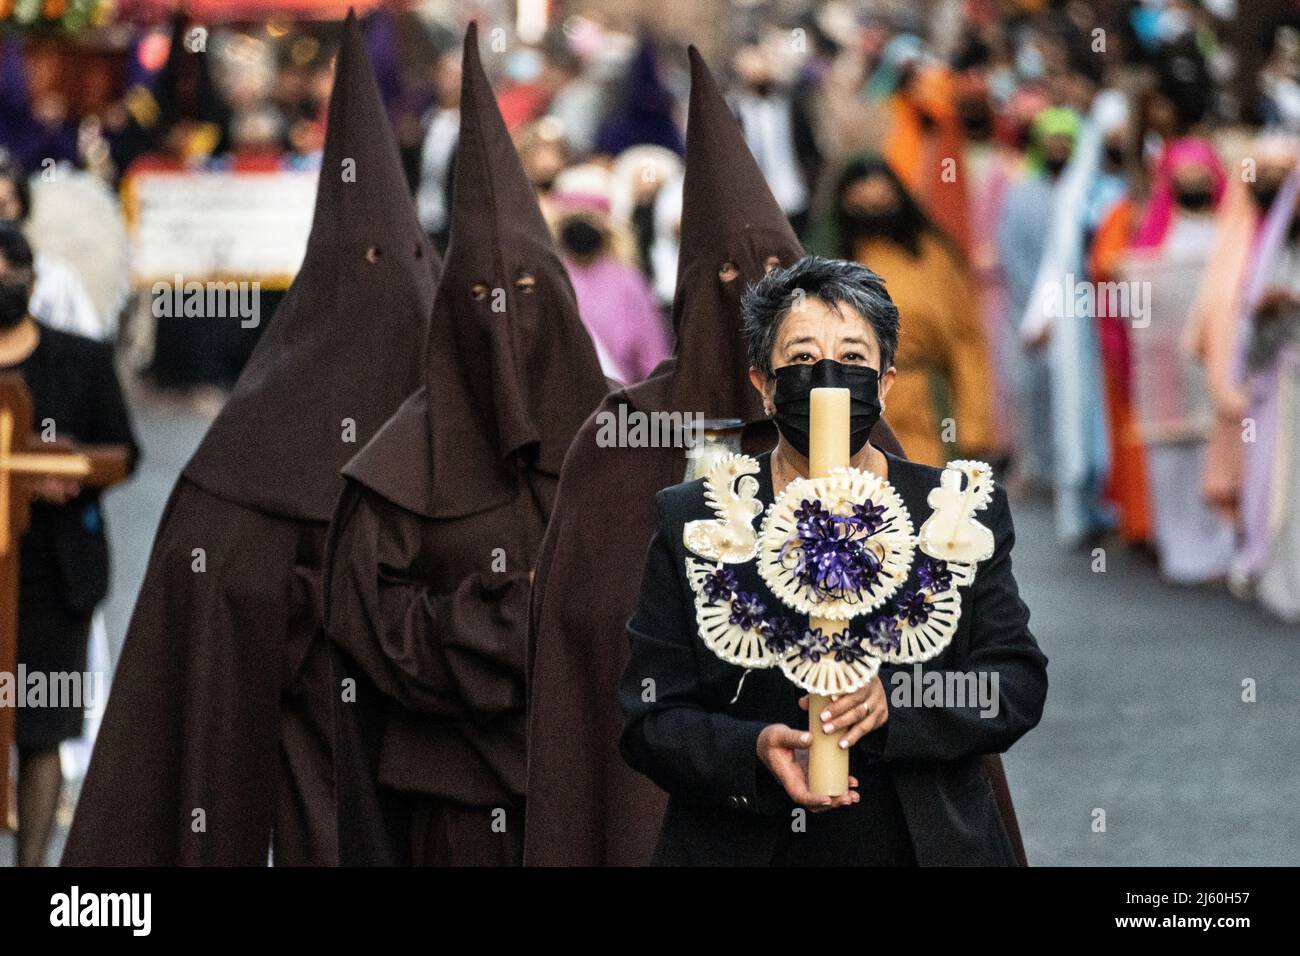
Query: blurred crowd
point(1084, 211)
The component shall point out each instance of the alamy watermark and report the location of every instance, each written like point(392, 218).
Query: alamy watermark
point(637, 429)
point(1122, 300)
point(74, 908)
point(39, 689)
point(945, 688)
point(208, 300)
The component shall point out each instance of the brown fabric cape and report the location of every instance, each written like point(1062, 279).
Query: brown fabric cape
point(429, 557)
point(218, 732)
point(586, 807)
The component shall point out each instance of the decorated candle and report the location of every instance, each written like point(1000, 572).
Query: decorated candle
point(828, 448)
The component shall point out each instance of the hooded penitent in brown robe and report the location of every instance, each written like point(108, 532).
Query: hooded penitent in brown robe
point(217, 741)
point(429, 559)
point(585, 805)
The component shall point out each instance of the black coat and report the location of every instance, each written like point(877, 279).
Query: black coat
point(74, 389)
point(725, 808)
point(64, 555)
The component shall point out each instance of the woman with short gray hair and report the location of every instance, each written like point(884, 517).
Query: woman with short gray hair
point(723, 741)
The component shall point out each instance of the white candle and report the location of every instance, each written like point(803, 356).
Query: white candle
point(828, 448)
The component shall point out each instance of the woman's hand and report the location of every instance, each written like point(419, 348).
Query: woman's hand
point(55, 490)
point(858, 713)
point(784, 751)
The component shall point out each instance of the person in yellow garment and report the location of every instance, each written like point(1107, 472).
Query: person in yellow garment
point(942, 403)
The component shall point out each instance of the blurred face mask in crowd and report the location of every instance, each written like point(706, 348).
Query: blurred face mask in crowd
point(1193, 190)
point(1194, 198)
point(1264, 191)
point(581, 239)
point(1056, 153)
point(977, 120)
point(871, 207)
point(14, 295)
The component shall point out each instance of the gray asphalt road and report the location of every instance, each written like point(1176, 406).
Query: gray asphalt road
point(1145, 731)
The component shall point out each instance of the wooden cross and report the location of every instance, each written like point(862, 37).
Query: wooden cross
point(24, 461)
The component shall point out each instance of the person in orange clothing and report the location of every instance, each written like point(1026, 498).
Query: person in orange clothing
point(1126, 487)
point(924, 145)
point(941, 405)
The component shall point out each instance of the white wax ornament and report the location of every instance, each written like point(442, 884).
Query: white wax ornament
point(951, 533)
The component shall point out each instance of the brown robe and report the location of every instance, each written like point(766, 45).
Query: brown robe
point(431, 552)
point(216, 746)
point(586, 807)
point(430, 614)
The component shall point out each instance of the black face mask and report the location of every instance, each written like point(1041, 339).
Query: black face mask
point(1194, 200)
point(13, 303)
point(793, 400)
point(978, 125)
point(1264, 195)
point(889, 224)
point(1054, 166)
point(581, 238)
point(1115, 156)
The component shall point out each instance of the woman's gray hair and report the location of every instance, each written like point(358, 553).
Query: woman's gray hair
point(836, 282)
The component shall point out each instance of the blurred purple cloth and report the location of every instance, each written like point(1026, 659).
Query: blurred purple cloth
point(29, 141)
point(1263, 386)
point(644, 113)
point(619, 312)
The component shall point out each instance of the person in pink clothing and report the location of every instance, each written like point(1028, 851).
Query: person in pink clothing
point(614, 299)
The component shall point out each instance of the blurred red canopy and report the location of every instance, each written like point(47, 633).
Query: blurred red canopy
point(207, 11)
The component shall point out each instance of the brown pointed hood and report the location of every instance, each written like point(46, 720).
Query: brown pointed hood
point(729, 219)
point(346, 345)
point(511, 372)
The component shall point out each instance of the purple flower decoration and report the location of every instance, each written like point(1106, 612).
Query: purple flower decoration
point(747, 611)
point(830, 557)
point(780, 634)
point(813, 520)
point(812, 645)
point(884, 635)
point(870, 516)
point(934, 575)
point(913, 608)
point(719, 585)
point(848, 647)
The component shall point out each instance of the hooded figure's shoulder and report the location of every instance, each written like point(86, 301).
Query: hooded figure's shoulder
point(599, 450)
point(396, 463)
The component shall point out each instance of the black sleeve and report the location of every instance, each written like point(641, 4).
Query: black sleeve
point(668, 734)
point(1000, 644)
